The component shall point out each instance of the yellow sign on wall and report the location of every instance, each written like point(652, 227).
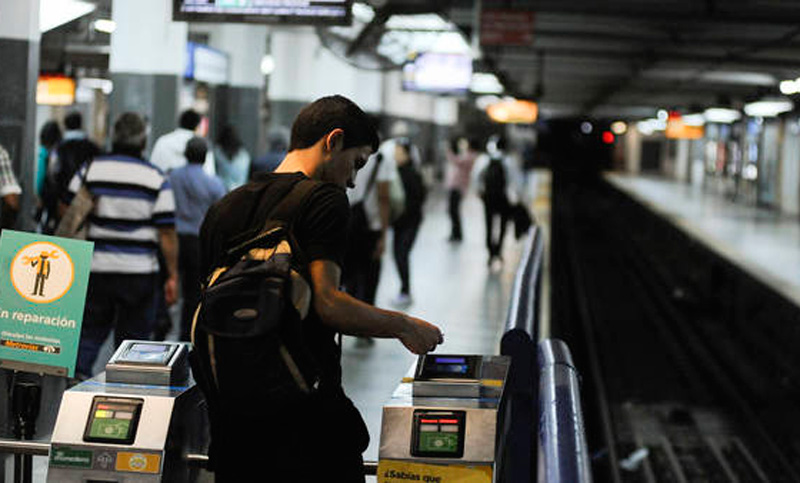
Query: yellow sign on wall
point(391, 471)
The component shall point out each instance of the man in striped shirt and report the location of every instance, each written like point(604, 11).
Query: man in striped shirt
point(133, 217)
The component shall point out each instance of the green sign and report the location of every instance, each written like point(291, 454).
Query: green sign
point(66, 456)
point(439, 442)
point(43, 281)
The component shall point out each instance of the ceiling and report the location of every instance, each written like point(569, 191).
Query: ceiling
point(599, 58)
point(626, 58)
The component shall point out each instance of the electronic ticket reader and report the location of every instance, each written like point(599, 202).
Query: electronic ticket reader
point(441, 423)
point(135, 422)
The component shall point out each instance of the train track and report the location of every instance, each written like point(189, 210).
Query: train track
point(672, 395)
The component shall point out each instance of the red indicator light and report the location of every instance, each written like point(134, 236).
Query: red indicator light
point(608, 137)
point(448, 421)
point(429, 421)
point(103, 406)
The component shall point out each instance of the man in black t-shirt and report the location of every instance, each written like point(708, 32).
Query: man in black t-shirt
point(321, 439)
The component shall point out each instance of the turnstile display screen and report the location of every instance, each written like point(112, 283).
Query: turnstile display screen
point(448, 367)
point(113, 420)
point(438, 434)
point(148, 353)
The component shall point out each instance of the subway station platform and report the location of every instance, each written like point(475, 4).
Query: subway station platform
point(452, 286)
point(761, 242)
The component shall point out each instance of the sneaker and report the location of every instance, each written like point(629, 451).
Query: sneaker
point(402, 300)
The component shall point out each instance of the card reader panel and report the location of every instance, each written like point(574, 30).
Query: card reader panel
point(147, 353)
point(460, 367)
point(113, 420)
point(438, 434)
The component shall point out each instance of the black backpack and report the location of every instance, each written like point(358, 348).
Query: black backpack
point(251, 309)
point(494, 182)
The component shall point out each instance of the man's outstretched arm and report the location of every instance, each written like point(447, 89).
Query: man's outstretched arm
point(350, 316)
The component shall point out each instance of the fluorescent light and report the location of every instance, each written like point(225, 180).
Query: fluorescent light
point(721, 115)
point(104, 85)
point(485, 83)
point(649, 126)
point(363, 12)
point(619, 128)
point(105, 25)
point(267, 65)
point(53, 13)
point(789, 87)
point(694, 119)
point(768, 107)
point(422, 22)
point(483, 102)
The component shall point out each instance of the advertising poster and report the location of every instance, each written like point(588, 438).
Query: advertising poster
point(43, 283)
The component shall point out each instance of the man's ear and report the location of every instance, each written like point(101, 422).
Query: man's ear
point(334, 140)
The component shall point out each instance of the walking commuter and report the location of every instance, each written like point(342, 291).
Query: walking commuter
point(168, 150)
point(195, 191)
point(9, 191)
point(370, 204)
point(133, 216)
point(73, 152)
point(278, 143)
point(407, 225)
point(460, 160)
point(50, 137)
point(495, 176)
point(254, 431)
point(232, 159)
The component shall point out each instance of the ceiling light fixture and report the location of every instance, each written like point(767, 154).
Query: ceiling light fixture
point(721, 115)
point(768, 107)
point(105, 25)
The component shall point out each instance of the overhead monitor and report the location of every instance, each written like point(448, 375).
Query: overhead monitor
point(328, 12)
point(440, 73)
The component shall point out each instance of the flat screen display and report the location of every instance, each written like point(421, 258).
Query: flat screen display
point(438, 433)
point(438, 73)
point(113, 420)
point(144, 353)
point(448, 367)
point(330, 12)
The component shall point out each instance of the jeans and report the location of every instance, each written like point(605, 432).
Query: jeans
point(122, 302)
point(405, 232)
point(495, 213)
point(362, 270)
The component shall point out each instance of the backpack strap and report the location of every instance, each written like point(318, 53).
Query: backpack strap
point(286, 209)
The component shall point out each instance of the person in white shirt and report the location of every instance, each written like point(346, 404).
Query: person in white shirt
point(168, 150)
point(367, 238)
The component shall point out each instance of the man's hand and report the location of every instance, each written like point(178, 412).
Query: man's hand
point(419, 336)
point(171, 290)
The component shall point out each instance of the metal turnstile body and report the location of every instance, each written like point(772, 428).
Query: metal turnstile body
point(443, 425)
point(135, 422)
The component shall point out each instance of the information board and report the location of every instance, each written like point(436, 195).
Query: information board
point(329, 12)
point(42, 295)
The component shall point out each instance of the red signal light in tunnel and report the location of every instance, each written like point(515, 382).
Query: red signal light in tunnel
point(608, 137)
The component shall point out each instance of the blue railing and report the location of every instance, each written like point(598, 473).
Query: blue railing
point(543, 437)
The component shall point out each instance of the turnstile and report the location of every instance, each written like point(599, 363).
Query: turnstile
point(442, 424)
point(135, 422)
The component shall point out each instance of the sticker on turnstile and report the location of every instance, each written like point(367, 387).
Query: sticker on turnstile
point(113, 420)
point(138, 462)
point(438, 434)
point(73, 458)
point(393, 471)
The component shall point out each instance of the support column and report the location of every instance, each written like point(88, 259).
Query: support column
point(239, 102)
point(19, 51)
point(147, 60)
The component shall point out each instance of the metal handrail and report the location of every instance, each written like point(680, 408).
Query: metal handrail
point(35, 448)
point(562, 435)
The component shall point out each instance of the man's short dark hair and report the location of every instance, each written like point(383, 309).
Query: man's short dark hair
point(189, 119)
point(130, 132)
point(328, 113)
point(73, 121)
point(196, 149)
